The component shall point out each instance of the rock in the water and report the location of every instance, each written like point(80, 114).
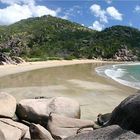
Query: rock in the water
point(12, 130)
point(39, 132)
point(127, 114)
point(62, 127)
point(7, 104)
point(38, 110)
point(113, 132)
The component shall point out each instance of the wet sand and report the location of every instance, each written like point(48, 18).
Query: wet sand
point(27, 66)
point(73, 79)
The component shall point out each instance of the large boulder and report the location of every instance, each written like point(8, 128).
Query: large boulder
point(127, 114)
point(38, 110)
point(113, 132)
point(39, 132)
point(7, 104)
point(62, 127)
point(12, 130)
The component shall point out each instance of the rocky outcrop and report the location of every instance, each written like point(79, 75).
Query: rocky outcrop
point(125, 54)
point(17, 60)
point(5, 59)
point(113, 132)
point(12, 130)
point(127, 114)
point(7, 104)
point(62, 127)
point(38, 132)
point(38, 110)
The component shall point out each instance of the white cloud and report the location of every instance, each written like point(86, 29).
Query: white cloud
point(108, 1)
point(104, 15)
point(114, 13)
point(98, 12)
point(64, 17)
point(10, 2)
point(14, 13)
point(137, 9)
point(130, 23)
point(22, 9)
point(38, 11)
point(72, 12)
point(97, 26)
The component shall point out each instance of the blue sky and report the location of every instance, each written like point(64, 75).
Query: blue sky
point(96, 14)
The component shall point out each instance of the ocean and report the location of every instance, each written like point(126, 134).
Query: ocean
point(127, 74)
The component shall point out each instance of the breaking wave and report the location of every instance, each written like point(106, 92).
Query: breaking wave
point(126, 74)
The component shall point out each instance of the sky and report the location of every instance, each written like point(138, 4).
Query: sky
point(95, 14)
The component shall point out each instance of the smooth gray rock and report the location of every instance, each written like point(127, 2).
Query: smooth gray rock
point(12, 130)
point(38, 110)
point(7, 104)
point(113, 132)
point(62, 127)
point(127, 114)
point(39, 132)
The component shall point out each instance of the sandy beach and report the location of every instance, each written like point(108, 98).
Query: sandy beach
point(27, 66)
point(95, 94)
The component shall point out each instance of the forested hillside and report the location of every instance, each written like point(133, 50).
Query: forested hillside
point(48, 37)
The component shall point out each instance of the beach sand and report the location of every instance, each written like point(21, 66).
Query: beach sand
point(95, 94)
point(27, 66)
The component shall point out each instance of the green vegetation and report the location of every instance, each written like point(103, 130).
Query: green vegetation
point(49, 38)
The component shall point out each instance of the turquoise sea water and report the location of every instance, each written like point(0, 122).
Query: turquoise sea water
point(127, 74)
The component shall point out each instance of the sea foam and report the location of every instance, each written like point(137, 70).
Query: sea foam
point(121, 74)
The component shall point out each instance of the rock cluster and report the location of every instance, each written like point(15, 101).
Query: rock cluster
point(58, 118)
point(125, 54)
point(38, 110)
point(6, 59)
point(39, 118)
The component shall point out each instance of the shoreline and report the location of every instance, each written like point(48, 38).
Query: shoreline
point(28, 66)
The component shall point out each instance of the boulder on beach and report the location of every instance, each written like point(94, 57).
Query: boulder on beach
point(113, 132)
point(127, 114)
point(38, 110)
point(12, 130)
point(7, 104)
point(62, 127)
point(39, 132)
